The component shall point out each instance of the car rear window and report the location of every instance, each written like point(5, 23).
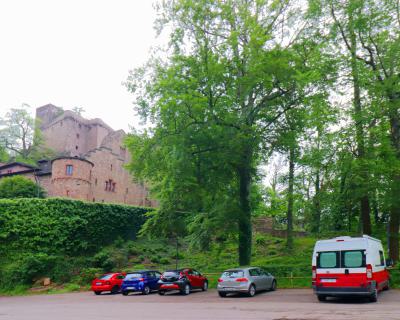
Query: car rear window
point(328, 259)
point(106, 277)
point(233, 274)
point(133, 276)
point(171, 273)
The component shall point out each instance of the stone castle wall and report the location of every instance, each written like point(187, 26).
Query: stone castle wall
point(103, 177)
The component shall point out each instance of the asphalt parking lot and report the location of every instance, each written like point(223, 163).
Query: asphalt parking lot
point(284, 304)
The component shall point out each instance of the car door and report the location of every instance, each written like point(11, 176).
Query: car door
point(157, 276)
point(199, 279)
point(118, 279)
point(266, 279)
point(255, 277)
point(192, 278)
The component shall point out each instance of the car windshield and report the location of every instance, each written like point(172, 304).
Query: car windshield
point(233, 274)
point(106, 277)
point(133, 276)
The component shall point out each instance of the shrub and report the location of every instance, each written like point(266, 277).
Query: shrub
point(164, 261)
point(20, 187)
point(55, 226)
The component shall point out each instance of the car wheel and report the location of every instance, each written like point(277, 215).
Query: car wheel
point(222, 294)
point(321, 298)
point(273, 286)
point(114, 290)
point(125, 293)
point(186, 289)
point(205, 286)
point(146, 290)
point(161, 293)
point(252, 291)
point(374, 296)
point(97, 293)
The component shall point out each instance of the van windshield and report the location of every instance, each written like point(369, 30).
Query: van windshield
point(341, 259)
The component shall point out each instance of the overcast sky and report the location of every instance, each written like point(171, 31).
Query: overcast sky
point(74, 54)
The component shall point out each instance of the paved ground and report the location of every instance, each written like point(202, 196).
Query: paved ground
point(284, 304)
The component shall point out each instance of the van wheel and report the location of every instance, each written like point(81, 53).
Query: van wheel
point(205, 286)
point(374, 296)
point(321, 298)
point(222, 294)
point(125, 293)
point(161, 292)
point(97, 293)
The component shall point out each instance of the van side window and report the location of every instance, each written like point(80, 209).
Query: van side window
point(382, 258)
point(328, 259)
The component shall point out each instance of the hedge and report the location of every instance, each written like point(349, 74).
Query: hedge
point(55, 226)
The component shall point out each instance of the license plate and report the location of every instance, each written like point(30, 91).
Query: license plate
point(130, 288)
point(98, 283)
point(328, 280)
point(169, 285)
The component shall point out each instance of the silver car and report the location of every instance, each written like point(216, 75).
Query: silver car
point(245, 280)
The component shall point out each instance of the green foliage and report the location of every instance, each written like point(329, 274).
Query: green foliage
point(55, 226)
point(20, 187)
point(21, 137)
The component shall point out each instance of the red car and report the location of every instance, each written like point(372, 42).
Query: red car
point(183, 280)
point(110, 282)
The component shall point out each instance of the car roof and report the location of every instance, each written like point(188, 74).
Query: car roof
point(242, 269)
point(141, 271)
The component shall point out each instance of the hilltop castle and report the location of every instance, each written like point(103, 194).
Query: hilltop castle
point(90, 162)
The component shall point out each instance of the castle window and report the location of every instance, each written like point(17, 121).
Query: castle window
point(95, 181)
point(106, 186)
point(67, 193)
point(77, 135)
point(9, 171)
point(113, 187)
point(111, 167)
point(126, 191)
point(69, 169)
point(94, 199)
point(76, 147)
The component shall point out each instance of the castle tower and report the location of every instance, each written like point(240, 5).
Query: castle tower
point(71, 177)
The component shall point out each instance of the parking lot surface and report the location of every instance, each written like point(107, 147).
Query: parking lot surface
point(284, 304)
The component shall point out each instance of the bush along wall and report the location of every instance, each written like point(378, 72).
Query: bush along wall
point(54, 226)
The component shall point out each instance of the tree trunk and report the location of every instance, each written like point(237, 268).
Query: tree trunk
point(394, 221)
point(289, 230)
point(365, 213)
point(317, 205)
point(245, 228)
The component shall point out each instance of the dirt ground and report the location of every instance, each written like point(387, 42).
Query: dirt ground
point(284, 304)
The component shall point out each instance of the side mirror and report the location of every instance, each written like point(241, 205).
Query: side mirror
point(389, 263)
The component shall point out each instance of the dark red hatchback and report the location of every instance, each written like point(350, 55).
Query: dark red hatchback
point(183, 280)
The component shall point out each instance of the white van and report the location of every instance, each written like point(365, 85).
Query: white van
point(347, 266)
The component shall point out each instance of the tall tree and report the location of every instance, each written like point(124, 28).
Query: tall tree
point(227, 81)
point(21, 137)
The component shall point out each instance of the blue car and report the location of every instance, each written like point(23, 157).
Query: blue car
point(140, 281)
